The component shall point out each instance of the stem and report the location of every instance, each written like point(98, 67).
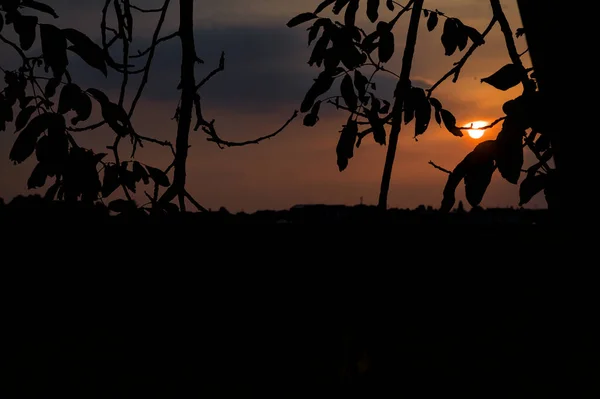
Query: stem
point(401, 92)
point(188, 89)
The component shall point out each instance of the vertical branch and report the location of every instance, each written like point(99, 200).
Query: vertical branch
point(188, 89)
point(144, 81)
point(125, 41)
point(401, 92)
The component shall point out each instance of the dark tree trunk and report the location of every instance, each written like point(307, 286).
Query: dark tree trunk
point(401, 92)
point(188, 88)
point(556, 39)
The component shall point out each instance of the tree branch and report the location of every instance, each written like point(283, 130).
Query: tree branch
point(155, 39)
point(459, 65)
point(220, 68)
point(439, 167)
point(155, 42)
point(214, 138)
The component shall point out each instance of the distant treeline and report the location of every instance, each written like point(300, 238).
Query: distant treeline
point(34, 208)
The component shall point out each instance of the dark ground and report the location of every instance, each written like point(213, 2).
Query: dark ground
point(469, 305)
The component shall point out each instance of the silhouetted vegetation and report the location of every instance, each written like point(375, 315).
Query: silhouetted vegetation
point(37, 210)
point(353, 57)
point(40, 94)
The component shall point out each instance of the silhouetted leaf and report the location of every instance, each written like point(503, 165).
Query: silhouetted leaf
point(38, 177)
point(435, 103)
point(24, 116)
point(313, 31)
point(390, 5)
point(53, 151)
point(51, 86)
point(339, 6)
point(110, 181)
point(506, 77)
point(450, 122)
point(360, 82)
point(480, 168)
point(301, 18)
point(54, 49)
point(477, 169)
point(432, 21)
point(530, 186)
point(68, 97)
point(24, 145)
point(450, 36)
point(127, 177)
point(519, 32)
point(386, 107)
point(345, 146)
point(510, 152)
point(140, 173)
point(542, 143)
point(386, 46)
point(332, 58)
point(40, 7)
point(312, 118)
point(373, 10)
point(25, 27)
point(158, 176)
point(347, 89)
point(73, 98)
point(324, 5)
point(369, 43)
point(422, 111)
point(377, 124)
point(24, 102)
point(474, 35)
point(461, 35)
point(350, 15)
point(122, 206)
point(320, 86)
point(320, 50)
point(85, 48)
point(57, 125)
point(114, 115)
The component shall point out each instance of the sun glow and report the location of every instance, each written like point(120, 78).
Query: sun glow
point(476, 133)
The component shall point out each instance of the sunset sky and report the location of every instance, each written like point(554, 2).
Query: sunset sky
point(265, 80)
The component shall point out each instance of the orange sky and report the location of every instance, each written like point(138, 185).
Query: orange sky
point(298, 166)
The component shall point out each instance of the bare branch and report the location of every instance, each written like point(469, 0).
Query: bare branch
point(155, 39)
point(147, 10)
point(439, 167)
point(220, 68)
point(491, 125)
point(154, 44)
point(90, 127)
point(15, 47)
point(194, 202)
point(216, 139)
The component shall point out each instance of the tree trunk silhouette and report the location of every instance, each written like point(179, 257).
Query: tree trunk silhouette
point(401, 92)
point(547, 25)
point(188, 88)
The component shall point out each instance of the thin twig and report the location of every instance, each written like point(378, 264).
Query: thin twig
point(155, 43)
point(217, 140)
point(144, 81)
point(439, 167)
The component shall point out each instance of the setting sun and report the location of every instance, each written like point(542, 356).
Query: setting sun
point(477, 133)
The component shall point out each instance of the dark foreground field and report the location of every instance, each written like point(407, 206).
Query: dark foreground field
point(197, 305)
